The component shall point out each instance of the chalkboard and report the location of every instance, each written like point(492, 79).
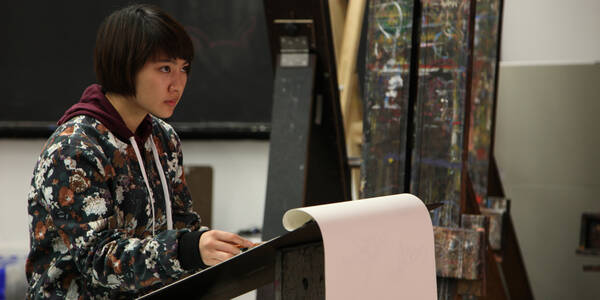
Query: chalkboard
point(46, 61)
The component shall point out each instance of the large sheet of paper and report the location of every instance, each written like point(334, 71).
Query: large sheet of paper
point(376, 248)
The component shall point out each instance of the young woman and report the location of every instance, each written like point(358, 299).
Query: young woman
point(110, 212)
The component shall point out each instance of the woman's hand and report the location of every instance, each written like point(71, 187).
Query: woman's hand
point(217, 246)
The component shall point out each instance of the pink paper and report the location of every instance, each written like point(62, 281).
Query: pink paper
point(376, 248)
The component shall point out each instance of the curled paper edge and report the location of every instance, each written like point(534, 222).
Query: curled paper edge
point(295, 218)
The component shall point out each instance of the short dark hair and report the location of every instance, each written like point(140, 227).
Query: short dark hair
point(130, 36)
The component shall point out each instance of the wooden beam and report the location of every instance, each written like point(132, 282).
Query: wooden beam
point(346, 41)
point(349, 52)
point(337, 13)
point(353, 122)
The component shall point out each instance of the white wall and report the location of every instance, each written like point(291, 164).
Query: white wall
point(551, 31)
point(547, 145)
point(17, 159)
point(239, 179)
point(547, 137)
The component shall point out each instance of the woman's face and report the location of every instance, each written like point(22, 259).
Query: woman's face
point(160, 84)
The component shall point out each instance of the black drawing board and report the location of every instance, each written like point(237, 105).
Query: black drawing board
point(240, 274)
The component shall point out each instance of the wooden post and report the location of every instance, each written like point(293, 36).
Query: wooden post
point(337, 14)
point(348, 54)
point(348, 80)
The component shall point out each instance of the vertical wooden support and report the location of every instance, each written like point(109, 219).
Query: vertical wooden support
point(348, 83)
point(348, 54)
point(495, 285)
point(337, 13)
point(483, 92)
point(509, 257)
point(517, 281)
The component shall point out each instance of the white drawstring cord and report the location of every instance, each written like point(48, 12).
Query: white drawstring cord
point(163, 181)
point(139, 157)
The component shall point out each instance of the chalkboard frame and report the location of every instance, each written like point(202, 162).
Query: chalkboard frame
point(185, 130)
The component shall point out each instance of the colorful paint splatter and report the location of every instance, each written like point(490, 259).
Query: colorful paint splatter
point(485, 63)
point(389, 41)
point(439, 112)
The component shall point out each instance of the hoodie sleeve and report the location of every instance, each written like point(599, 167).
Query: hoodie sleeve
point(76, 194)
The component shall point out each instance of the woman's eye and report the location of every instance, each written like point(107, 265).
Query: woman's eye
point(186, 69)
point(165, 69)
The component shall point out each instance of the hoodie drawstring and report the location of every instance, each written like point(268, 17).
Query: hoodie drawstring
point(162, 180)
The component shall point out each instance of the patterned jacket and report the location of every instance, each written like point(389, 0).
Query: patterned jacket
point(91, 228)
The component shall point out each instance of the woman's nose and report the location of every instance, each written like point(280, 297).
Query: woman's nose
point(178, 83)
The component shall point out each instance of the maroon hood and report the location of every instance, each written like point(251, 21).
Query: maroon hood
point(93, 103)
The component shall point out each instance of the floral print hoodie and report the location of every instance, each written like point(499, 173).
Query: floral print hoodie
point(110, 213)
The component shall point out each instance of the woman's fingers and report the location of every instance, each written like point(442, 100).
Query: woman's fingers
point(227, 248)
point(217, 246)
point(232, 238)
point(215, 258)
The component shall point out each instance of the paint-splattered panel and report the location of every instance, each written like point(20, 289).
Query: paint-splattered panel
point(483, 91)
point(389, 39)
point(459, 252)
point(440, 106)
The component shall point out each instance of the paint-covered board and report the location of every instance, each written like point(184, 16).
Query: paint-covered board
point(458, 252)
point(386, 96)
point(440, 107)
point(474, 264)
point(483, 92)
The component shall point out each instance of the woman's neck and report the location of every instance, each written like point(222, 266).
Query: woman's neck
point(131, 114)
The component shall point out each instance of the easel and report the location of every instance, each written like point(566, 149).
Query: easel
point(308, 157)
point(307, 160)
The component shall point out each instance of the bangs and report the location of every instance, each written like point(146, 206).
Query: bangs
point(171, 41)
